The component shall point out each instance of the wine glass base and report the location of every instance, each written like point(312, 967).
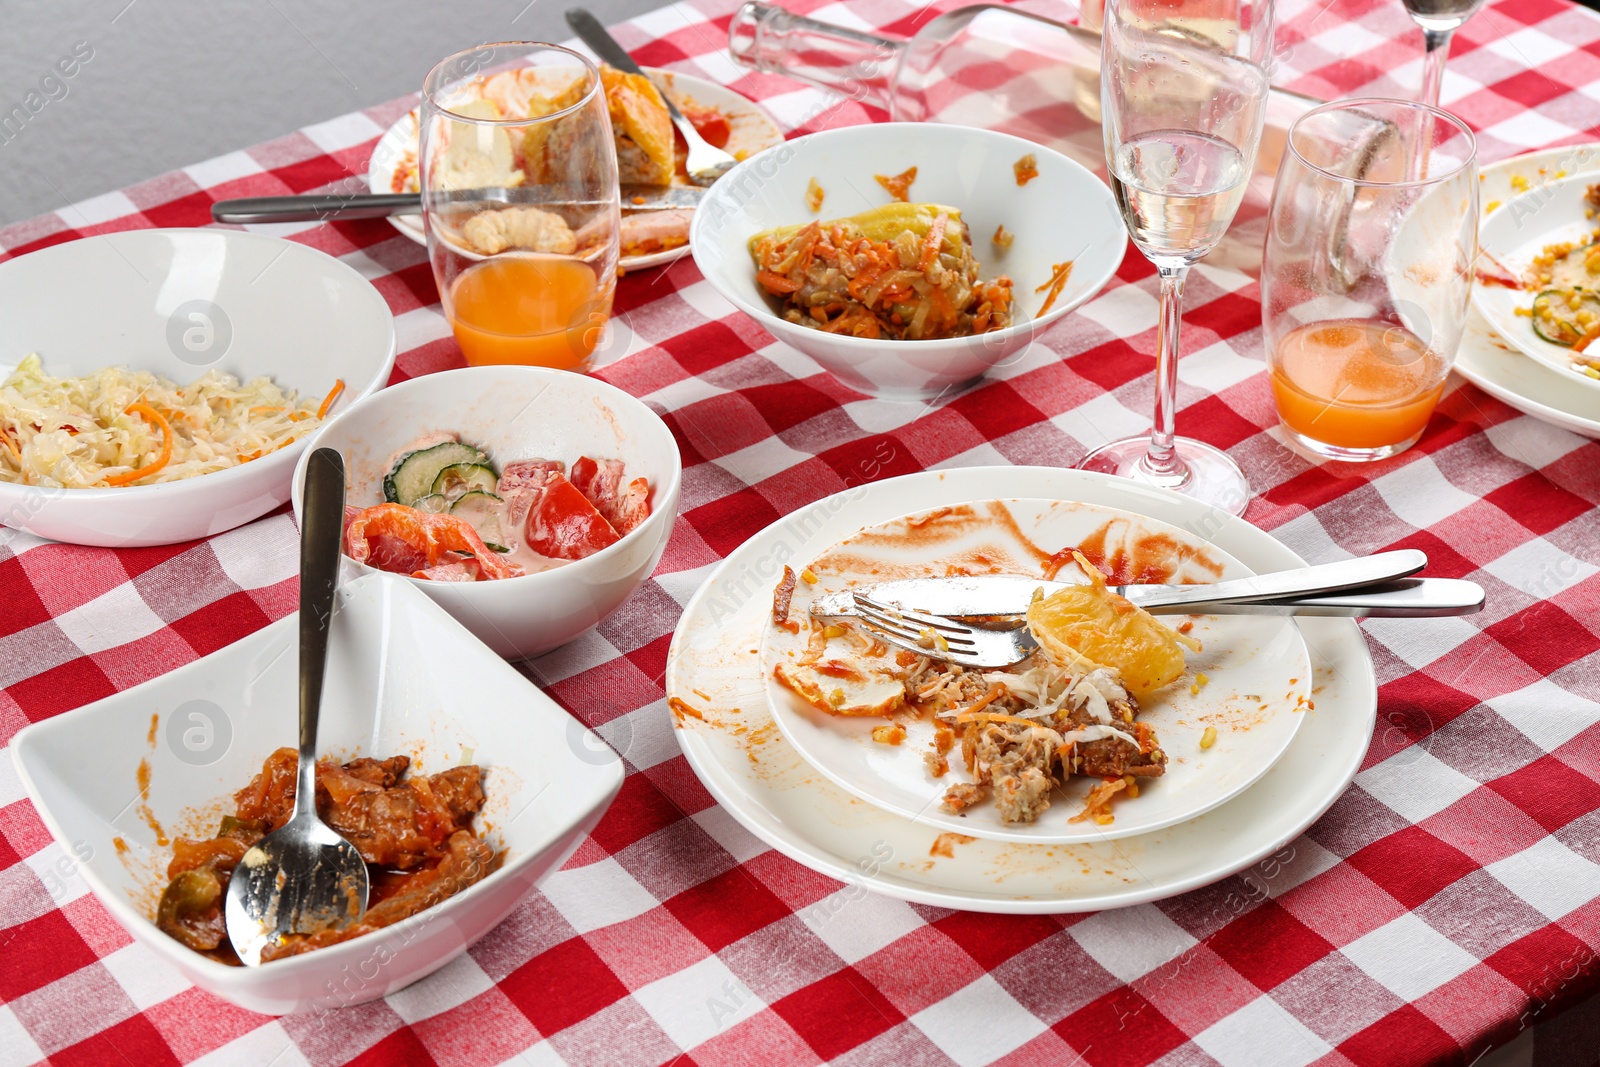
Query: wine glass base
point(1208, 474)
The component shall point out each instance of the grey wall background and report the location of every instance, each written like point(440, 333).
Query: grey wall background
point(172, 82)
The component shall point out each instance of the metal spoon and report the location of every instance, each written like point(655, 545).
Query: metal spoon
point(304, 877)
point(706, 163)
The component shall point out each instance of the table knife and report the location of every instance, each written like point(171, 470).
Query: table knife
point(321, 207)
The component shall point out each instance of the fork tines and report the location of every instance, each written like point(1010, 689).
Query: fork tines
point(906, 628)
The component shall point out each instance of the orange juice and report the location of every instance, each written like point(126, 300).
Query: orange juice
point(526, 308)
point(1356, 384)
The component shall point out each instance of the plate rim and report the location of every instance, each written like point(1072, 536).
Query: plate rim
point(811, 856)
point(1021, 835)
point(694, 83)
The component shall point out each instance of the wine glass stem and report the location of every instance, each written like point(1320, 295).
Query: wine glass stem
point(1162, 460)
point(1436, 49)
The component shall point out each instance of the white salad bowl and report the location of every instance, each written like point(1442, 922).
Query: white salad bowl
point(180, 303)
point(1066, 213)
point(515, 413)
point(403, 679)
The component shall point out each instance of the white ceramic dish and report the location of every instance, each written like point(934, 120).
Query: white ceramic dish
point(1066, 213)
point(521, 413)
point(1242, 654)
point(267, 307)
point(1490, 363)
point(1513, 234)
point(751, 129)
point(736, 750)
point(205, 728)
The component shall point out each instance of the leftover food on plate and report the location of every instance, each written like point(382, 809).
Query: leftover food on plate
point(901, 271)
point(415, 835)
point(1059, 273)
point(814, 195)
point(450, 515)
point(119, 427)
point(1565, 279)
point(1026, 169)
point(898, 185)
point(649, 151)
point(1071, 709)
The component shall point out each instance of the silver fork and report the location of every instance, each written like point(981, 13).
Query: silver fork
point(970, 646)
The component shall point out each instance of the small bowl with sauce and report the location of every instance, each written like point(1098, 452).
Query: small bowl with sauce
point(512, 417)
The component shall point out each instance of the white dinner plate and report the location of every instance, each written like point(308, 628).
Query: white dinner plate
point(751, 129)
point(718, 692)
point(1493, 364)
point(1257, 669)
point(1511, 236)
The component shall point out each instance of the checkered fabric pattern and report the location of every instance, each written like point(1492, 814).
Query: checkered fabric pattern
point(1449, 901)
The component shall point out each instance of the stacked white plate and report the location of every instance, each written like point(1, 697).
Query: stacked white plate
point(1293, 702)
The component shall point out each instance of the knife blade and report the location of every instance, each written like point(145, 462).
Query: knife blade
point(321, 207)
point(602, 44)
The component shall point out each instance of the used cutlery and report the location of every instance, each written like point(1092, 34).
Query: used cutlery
point(320, 207)
point(1009, 594)
point(303, 877)
point(706, 163)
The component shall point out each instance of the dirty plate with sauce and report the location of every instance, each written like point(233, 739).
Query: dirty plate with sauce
point(118, 781)
point(1214, 729)
point(717, 690)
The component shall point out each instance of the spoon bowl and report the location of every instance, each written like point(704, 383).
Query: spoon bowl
point(303, 877)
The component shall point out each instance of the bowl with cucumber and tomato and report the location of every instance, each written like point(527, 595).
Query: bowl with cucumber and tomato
point(527, 502)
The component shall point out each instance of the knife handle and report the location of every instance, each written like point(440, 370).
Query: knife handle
point(315, 208)
point(1276, 585)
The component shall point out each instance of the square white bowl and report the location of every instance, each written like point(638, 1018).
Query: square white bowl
point(403, 678)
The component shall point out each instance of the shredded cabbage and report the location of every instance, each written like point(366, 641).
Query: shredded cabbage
point(78, 432)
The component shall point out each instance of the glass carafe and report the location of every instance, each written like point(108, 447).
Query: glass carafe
point(1000, 68)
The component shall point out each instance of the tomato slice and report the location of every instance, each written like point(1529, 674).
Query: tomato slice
point(563, 524)
point(403, 540)
point(624, 506)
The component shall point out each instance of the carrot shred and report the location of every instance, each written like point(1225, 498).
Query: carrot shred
point(1059, 273)
point(930, 247)
point(5, 436)
point(333, 394)
point(994, 716)
point(149, 414)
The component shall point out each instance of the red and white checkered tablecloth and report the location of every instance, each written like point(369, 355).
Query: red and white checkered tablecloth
point(1449, 901)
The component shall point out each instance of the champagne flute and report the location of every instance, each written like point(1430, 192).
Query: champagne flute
point(520, 202)
point(1183, 91)
point(1439, 20)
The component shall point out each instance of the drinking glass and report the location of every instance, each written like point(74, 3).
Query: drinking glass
point(1183, 90)
point(1367, 273)
point(1439, 20)
point(520, 203)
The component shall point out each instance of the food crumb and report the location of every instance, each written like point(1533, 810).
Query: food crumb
point(1003, 237)
point(888, 734)
point(1491, 206)
point(1026, 169)
point(1208, 738)
point(1059, 273)
point(638, 200)
point(1519, 183)
point(1200, 681)
point(898, 186)
point(808, 576)
point(680, 709)
point(944, 844)
point(814, 195)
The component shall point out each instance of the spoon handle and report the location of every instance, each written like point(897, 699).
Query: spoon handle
point(321, 529)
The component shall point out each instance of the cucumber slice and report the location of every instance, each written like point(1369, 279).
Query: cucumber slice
point(1556, 320)
point(434, 503)
point(458, 479)
point(482, 510)
point(412, 478)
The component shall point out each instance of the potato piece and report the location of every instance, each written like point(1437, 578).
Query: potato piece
point(1084, 626)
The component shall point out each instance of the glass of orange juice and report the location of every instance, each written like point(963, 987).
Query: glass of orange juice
point(518, 174)
point(1367, 273)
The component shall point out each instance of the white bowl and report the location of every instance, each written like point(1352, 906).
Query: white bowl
point(272, 308)
point(1065, 213)
point(520, 413)
point(402, 679)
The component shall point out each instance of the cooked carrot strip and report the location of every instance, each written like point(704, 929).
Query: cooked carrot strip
point(150, 414)
point(935, 241)
point(264, 407)
point(1060, 272)
point(5, 435)
point(333, 394)
point(773, 282)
